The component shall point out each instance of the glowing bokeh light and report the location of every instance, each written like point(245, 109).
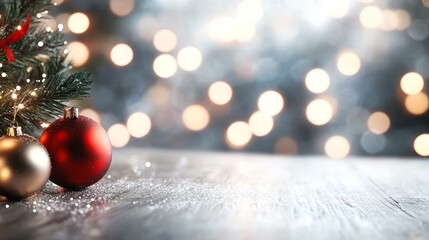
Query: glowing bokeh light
point(165, 66)
point(78, 53)
point(139, 124)
point(121, 54)
point(378, 122)
point(417, 104)
point(286, 145)
point(118, 135)
point(220, 92)
point(244, 31)
point(421, 145)
point(390, 20)
point(271, 103)
point(164, 40)
point(227, 29)
point(336, 8)
point(371, 17)
point(78, 23)
point(121, 7)
point(250, 11)
point(238, 135)
point(319, 112)
point(58, 2)
point(317, 80)
point(189, 58)
point(195, 117)
point(261, 124)
point(223, 29)
point(337, 147)
point(88, 112)
point(348, 62)
point(412, 83)
point(404, 19)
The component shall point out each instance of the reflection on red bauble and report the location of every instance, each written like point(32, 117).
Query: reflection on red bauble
point(79, 149)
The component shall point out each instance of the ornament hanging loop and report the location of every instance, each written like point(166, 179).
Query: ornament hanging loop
point(71, 113)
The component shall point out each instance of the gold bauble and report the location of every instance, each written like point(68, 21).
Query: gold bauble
point(24, 165)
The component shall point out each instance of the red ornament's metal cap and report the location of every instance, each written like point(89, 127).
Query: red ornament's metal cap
point(71, 113)
point(14, 131)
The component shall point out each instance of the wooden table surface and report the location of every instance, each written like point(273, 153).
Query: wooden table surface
point(156, 194)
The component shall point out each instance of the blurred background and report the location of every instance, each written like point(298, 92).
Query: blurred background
point(328, 77)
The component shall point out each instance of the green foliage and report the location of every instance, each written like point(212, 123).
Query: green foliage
point(43, 98)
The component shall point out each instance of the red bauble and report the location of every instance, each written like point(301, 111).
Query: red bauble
point(79, 149)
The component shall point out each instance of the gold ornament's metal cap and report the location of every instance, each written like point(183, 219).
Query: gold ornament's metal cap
point(14, 131)
point(71, 113)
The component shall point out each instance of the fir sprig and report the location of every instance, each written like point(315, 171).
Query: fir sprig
point(40, 82)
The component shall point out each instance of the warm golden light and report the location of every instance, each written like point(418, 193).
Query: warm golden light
point(371, 17)
point(78, 53)
point(390, 20)
point(5, 174)
point(317, 80)
point(245, 31)
point(189, 58)
point(165, 66)
point(337, 8)
point(337, 147)
point(412, 83)
point(286, 145)
point(417, 104)
point(261, 124)
point(227, 29)
point(58, 2)
point(425, 3)
point(121, 54)
point(220, 92)
point(91, 114)
point(78, 23)
point(8, 144)
point(165, 40)
point(421, 145)
point(121, 7)
point(271, 103)
point(238, 135)
point(319, 112)
point(195, 117)
point(118, 135)
point(223, 29)
point(250, 11)
point(378, 122)
point(348, 63)
point(404, 19)
point(139, 124)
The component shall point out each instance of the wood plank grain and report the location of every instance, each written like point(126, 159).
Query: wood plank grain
point(154, 194)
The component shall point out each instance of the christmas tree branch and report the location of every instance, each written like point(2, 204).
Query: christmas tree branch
point(40, 82)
